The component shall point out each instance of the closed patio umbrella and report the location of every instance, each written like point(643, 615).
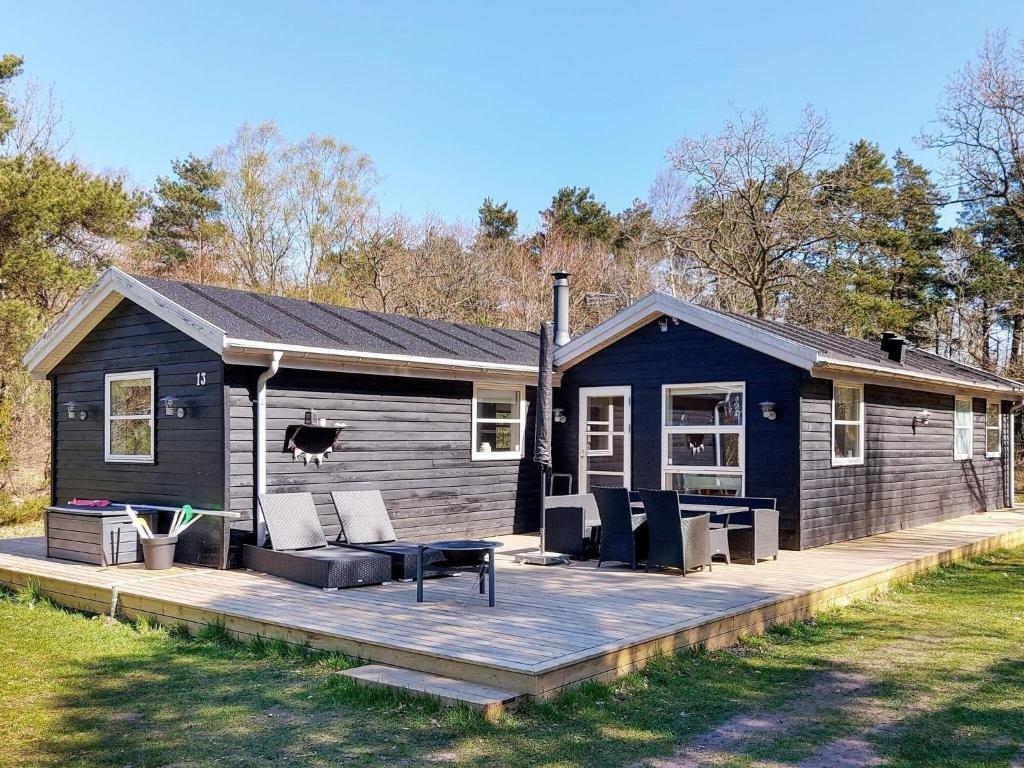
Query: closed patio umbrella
point(542, 437)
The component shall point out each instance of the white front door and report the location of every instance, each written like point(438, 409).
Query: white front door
point(604, 437)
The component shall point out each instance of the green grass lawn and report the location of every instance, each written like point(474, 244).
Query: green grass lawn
point(931, 675)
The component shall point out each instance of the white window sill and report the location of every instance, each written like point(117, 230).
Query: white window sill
point(993, 455)
point(847, 462)
point(497, 456)
point(129, 460)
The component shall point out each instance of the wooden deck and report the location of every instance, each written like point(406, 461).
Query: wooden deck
point(552, 627)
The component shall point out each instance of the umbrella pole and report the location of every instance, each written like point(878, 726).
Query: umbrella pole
point(543, 509)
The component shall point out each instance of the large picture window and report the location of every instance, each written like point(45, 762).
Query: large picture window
point(993, 429)
point(702, 438)
point(963, 428)
point(128, 417)
point(847, 424)
point(499, 420)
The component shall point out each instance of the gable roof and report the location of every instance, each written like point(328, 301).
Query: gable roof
point(822, 354)
point(247, 327)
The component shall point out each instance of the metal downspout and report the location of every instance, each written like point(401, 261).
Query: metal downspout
point(260, 440)
point(1013, 454)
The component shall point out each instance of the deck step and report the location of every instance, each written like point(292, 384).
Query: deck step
point(487, 699)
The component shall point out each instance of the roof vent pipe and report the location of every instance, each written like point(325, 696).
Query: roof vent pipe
point(560, 297)
point(895, 346)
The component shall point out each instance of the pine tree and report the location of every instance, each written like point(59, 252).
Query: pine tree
point(186, 217)
point(497, 222)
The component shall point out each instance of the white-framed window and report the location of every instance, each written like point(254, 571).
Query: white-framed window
point(993, 429)
point(702, 438)
point(128, 423)
point(847, 424)
point(499, 421)
point(963, 428)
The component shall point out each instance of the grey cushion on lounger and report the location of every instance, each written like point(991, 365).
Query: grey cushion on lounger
point(292, 521)
point(364, 518)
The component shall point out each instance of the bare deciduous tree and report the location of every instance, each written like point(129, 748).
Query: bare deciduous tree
point(258, 211)
point(329, 187)
point(754, 212)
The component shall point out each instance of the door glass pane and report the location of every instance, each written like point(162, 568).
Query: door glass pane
point(599, 444)
point(847, 441)
point(704, 484)
point(611, 461)
point(599, 410)
point(848, 403)
point(130, 397)
point(130, 437)
point(609, 481)
point(700, 408)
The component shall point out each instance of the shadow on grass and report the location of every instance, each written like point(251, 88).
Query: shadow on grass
point(160, 700)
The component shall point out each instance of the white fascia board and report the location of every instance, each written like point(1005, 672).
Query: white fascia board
point(656, 304)
point(325, 358)
point(832, 368)
point(96, 303)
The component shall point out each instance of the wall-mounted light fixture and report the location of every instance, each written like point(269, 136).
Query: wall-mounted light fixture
point(663, 324)
point(768, 410)
point(173, 406)
point(922, 418)
point(76, 410)
point(558, 415)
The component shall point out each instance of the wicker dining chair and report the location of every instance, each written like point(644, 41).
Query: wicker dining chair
point(618, 526)
point(683, 543)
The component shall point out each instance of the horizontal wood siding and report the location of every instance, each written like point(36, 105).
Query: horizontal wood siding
point(239, 395)
point(909, 476)
point(189, 465)
point(407, 437)
point(649, 358)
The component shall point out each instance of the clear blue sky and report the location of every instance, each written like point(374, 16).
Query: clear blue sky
point(455, 101)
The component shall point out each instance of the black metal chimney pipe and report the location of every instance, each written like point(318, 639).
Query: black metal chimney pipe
point(560, 309)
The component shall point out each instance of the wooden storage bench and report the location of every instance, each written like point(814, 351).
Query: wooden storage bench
point(98, 535)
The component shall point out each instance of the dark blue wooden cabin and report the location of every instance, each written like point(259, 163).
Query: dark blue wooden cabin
point(852, 437)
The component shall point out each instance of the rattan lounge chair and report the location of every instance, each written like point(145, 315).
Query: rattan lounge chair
point(753, 534)
point(683, 543)
point(299, 550)
point(366, 526)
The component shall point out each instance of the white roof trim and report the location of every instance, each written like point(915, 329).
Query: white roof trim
point(113, 285)
point(832, 367)
point(297, 353)
point(656, 304)
point(96, 303)
point(801, 355)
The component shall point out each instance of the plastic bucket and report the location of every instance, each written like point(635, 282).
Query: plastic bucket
point(158, 551)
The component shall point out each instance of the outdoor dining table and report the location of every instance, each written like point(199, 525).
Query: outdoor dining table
point(719, 510)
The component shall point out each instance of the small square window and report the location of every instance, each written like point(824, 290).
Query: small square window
point(128, 417)
point(847, 424)
point(499, 421)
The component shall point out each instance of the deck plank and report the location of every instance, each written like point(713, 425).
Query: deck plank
point(552, 626)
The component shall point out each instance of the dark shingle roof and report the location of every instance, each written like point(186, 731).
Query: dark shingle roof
point(863, 351)
point(259, 317)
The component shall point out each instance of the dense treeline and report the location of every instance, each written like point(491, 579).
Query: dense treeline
point(787, 226)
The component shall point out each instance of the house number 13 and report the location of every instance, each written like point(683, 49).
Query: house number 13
point(201, 379)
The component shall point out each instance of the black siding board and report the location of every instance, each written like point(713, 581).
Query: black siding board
point(188, 465)
point(908, 478)
point(407, 437)
point(647, 359)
